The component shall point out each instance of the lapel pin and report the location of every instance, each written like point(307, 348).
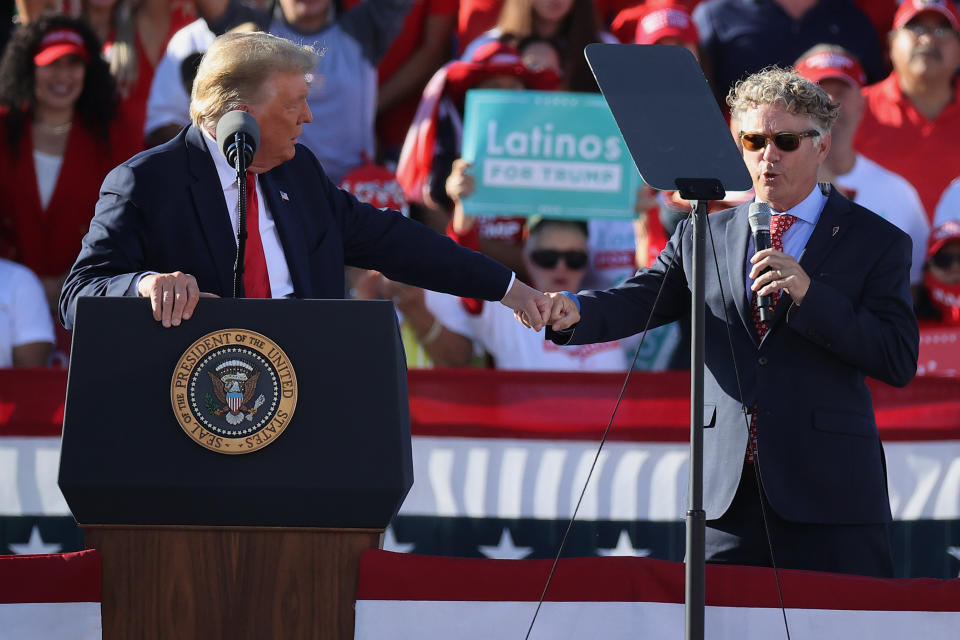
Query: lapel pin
point(835, 229)
point(284, 196)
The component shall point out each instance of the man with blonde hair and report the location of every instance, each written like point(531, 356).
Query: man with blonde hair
point(166, 223)
point(791, 443)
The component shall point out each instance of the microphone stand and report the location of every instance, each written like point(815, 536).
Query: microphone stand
point(698, 191)
point(239, 143)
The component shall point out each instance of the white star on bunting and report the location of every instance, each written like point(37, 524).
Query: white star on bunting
point(624, 548)
point(505, 549)
point(34, 545)
point(955, 552)
point(390, 543)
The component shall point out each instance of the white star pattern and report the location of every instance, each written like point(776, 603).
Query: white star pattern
point(624, 548)
point(955, 552)
point(505, 549)
point(34, 545)
point(390, 543)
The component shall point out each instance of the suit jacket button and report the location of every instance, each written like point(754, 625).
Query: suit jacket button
point(762, 360)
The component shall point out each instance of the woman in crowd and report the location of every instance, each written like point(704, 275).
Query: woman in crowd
point(570, 24)
point(135, 34)
point(58, 139)
point(433, 142)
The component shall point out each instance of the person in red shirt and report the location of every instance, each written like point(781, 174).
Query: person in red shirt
point(60, 134)
point(421, 48)
point(58, 139)
point(135, 34)
point(912, 119)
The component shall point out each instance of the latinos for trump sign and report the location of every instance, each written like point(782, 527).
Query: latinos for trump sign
point(546, 153)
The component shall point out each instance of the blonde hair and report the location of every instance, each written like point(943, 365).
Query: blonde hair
point(786, 87)
point(235, 67)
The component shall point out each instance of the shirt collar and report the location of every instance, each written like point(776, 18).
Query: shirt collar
point(226, 173)
point(810, 207)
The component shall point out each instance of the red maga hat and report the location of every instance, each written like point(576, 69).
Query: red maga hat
point(664, 22)
point(490, 60)
point(909, 9)
point(58, 43)
point(838, 64)
point(949, 230)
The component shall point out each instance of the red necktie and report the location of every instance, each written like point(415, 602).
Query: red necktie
point(778, 226)
point(256, 282)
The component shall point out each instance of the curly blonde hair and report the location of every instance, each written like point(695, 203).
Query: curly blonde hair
point(796, 94)
point(235, 67)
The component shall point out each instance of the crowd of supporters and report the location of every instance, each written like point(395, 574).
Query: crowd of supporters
point(85, 84)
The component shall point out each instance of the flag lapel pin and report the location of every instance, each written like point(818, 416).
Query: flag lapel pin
point(835, 230)
point(284, 196)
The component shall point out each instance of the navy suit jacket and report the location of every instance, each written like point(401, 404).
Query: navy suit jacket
point(820, 456)
point(164, 210)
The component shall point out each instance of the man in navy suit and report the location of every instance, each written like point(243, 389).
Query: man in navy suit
point(792, 439)
point(162, 227)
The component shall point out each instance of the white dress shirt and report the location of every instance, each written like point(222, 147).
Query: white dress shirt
point(281, 284)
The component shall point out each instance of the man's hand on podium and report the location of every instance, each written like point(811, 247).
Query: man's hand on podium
point(173, 296)
point(531, 307)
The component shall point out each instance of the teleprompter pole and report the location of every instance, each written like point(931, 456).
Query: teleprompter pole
point(695, 584)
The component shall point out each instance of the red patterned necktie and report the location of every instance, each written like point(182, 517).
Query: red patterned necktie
point(778, 226)
point(256, 282)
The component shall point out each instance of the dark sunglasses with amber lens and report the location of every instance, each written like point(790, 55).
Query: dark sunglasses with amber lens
point(945, 260)
point(785, 140)
point(548, 258)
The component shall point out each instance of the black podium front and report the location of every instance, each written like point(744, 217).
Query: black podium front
point(285, 521)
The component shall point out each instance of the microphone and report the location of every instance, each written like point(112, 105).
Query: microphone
point(238, 131)
point(759, 218)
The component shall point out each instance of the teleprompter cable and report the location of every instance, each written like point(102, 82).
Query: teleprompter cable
point(606, 432)
point(603, 440)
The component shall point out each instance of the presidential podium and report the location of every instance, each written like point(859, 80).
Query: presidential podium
point(231, 470)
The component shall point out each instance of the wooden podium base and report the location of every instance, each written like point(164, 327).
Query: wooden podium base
point(209, 583)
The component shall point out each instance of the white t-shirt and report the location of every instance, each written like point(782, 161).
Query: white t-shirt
point(24, 314)
point(47, 169)
point(892, 197)
point(949, 206)
point(169, 101)
point(513, 346)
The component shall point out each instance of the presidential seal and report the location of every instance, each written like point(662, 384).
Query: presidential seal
point(233, 391)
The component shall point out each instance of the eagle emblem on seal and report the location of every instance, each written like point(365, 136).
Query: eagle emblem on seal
point(234, 384)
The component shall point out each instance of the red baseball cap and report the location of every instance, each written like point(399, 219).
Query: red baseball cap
point(909, 9)
point(59, 43)
point(949, 230)
point(832, 63)
point(495, 59)
point(664, 22)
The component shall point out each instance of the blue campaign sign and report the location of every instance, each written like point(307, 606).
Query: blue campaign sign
point(546, 152)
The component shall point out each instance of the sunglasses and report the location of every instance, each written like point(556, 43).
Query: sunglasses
point(785, 140)
point(944, 260)
point(548, 258)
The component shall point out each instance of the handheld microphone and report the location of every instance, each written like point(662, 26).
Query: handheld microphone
point(759, 219)
point(237, 132)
